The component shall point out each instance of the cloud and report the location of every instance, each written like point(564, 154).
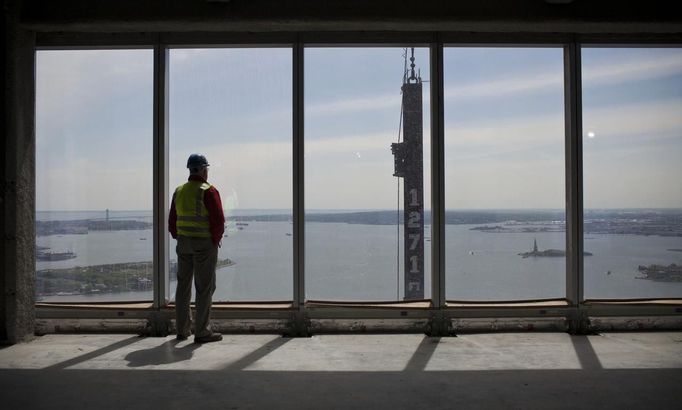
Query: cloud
point(528, 130)
point(538, 80)
point(81, 184)
point(259, 174)
point(607, 74)
point(365, 103)
point(534, 183)
point(612, 121)
point(505, 86)
point(350, 143)
point(650, 118)
point(77, 87)
point(635, 70)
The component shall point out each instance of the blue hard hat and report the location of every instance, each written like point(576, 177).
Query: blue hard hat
point(197, 161)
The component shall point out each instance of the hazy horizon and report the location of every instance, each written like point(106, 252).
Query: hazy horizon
point(379, 210)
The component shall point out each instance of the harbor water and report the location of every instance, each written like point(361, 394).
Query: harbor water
point(362, 262)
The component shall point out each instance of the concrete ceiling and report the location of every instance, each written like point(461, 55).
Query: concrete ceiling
point(578, 16)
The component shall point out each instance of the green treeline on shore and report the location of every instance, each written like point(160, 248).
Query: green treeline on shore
point(108, 278)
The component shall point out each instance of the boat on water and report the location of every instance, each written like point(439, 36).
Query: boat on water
point(55, 256)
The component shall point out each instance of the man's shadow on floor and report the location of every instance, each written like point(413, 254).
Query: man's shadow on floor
point(165, 353)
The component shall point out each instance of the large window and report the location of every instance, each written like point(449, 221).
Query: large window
point(504, 173)
point(355, 206)
point(632, 145)
point(94, 175)
point(234, 106)
point(366, 154)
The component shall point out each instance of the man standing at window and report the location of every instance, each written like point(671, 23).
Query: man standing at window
point(196, 220)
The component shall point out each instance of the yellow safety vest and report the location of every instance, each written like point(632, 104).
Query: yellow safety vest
point(192, 215)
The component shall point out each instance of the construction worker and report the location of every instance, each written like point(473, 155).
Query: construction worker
point(196, 220)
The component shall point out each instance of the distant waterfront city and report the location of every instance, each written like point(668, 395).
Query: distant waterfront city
point(352, 255)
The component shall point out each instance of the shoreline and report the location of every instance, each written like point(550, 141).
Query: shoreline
point(102, 279)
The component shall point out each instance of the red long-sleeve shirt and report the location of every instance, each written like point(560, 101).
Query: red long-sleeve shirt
point(212, 202)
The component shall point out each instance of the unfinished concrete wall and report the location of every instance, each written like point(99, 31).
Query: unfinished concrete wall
point(3, 48)
point(22, 18)
point(18, 180)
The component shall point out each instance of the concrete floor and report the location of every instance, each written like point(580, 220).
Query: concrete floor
point(483, 371)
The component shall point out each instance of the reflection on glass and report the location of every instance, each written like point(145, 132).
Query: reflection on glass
point(632, 145)
point(361, 191)
point(504, 173)
point(94, 175)
point(234, 106)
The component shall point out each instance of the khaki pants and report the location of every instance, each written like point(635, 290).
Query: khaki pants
point(197, 257)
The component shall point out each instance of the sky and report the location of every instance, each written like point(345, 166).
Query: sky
point(504, 126)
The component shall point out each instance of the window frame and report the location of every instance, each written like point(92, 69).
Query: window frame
point(439, 314)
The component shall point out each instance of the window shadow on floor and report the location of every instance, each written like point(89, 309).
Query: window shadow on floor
point(257, 354)
point(165, 353)
point(586, 355)
point(93, 354)
point(420, 358)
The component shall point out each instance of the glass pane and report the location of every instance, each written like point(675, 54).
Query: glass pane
point(94, 175)
point(234, 106)
point(632, 146)
point(504, 173)
point(355, 206)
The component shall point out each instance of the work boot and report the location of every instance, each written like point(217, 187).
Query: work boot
point(212, 337)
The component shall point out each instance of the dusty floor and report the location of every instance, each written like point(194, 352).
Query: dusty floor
point(485, 371)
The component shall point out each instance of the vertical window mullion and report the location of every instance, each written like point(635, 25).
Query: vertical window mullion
point(160, 201)
point(437, 177)
point(574, 174)
point(298, 176)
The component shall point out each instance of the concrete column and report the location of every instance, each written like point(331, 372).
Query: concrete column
point(3, 135)
point(17, 258)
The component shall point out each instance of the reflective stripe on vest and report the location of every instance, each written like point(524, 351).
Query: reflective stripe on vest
point(192, 215)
